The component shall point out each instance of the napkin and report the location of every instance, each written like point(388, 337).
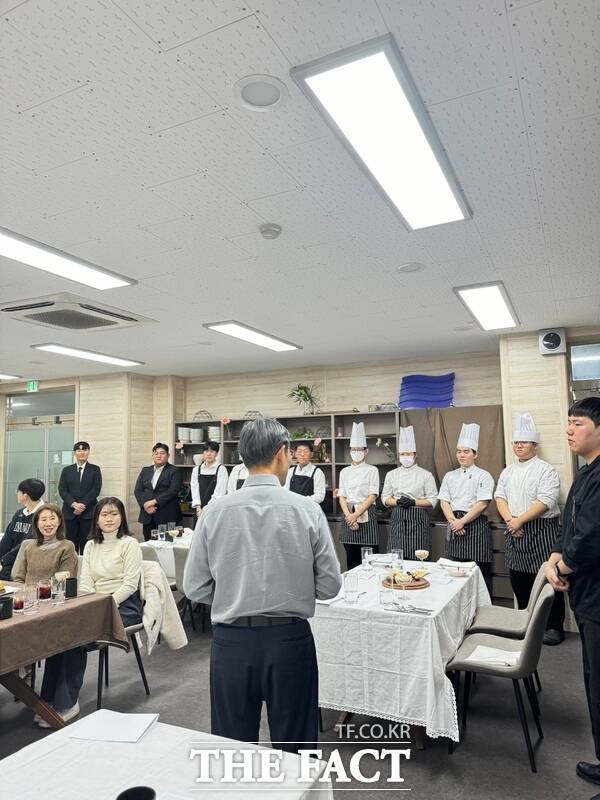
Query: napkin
point(439, 577)
point(494, 656)
point(446, 562)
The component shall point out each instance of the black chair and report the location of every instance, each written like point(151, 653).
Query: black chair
point(131, 632)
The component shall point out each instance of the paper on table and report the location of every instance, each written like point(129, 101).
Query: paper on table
point(111, 726)
point(447, 562)
point(493, 655)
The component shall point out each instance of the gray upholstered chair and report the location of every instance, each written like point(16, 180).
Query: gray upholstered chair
point(529, 647)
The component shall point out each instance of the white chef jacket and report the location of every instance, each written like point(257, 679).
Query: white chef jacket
point(317, 476)
point(358, 482)
point(220, 488)
point(462, 488)
point(238, 473)
point(524, 482)
point(414, 481)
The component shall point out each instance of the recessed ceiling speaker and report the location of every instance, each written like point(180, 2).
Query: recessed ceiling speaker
point(552, 341)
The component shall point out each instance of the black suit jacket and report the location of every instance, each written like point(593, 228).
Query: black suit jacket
point(166, 493)
point(72, 490)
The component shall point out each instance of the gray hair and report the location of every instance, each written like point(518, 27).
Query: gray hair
point(260, 440)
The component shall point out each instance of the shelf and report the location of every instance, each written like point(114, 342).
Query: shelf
point(369, 436)
point(299, 440)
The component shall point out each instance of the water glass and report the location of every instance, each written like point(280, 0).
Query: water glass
point(367, 556)
point(154, 534)
point(45, 590)
point(31, 603)
point(386, 592)
point(58, 592)
point(351, 588)
point(397, 557)
point(171, 526)
point(18, 601)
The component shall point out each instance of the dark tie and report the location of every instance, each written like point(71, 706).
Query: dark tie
point(80, 471)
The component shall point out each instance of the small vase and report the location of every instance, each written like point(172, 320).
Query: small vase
point(308, 407)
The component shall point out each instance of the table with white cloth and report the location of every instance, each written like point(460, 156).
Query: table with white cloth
point(392, 665)
point(71, 769)
point(164, 551)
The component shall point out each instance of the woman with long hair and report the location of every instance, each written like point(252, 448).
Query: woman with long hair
point(49, 551)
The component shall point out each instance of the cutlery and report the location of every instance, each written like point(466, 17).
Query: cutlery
point(409, 611)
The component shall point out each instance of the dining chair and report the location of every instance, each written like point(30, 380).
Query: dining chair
point(131, 631)
point(529, 649)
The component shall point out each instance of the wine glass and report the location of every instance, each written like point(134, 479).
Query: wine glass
point(422, 554)
point(402, 578)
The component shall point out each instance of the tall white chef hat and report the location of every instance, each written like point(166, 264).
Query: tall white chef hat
point(358, 437)
point(406, 442)
point(525, 430)
point(469, 436)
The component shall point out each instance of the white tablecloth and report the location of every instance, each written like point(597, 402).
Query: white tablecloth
point(73, 769)
point(165, 554)
point(392, 665)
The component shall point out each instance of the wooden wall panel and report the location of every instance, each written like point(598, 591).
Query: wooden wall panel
point(141, 437)
point(341, 387)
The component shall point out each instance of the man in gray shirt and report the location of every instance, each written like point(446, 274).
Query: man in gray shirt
point(260, 557)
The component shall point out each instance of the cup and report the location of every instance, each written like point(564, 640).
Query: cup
point(367, 557)
point(386, 591)
point(58, 591)
point(31, 603)
point(171, 526)
point(162, 530)
point(397, 557)
point(154, 534)
point(351, 588)
point(45, 590)
point(18, 601)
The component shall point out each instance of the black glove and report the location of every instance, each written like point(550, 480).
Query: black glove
point(406, 502)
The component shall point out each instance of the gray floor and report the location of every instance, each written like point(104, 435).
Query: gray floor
point(490, 763)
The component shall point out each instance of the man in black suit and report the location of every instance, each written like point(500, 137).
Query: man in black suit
point(157, 491)
point(79, 487)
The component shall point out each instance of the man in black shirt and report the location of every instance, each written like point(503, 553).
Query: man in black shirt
point(29, 495)
point(574, 565)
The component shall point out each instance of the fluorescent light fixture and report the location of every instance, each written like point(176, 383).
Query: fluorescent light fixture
point(368, 97)
point(489, 304)
point(240, 331)
point(36, 254)
point(89, 355)
point(19, 405)
point(9, 377)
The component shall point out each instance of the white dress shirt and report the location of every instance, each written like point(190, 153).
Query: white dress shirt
point(262, 551)
point(317, 476)
point(524, 482)
point(238, 473)
point(414, 481)
point(357, 482)
point(462, 488)
point(220, 488)
point(155, 476)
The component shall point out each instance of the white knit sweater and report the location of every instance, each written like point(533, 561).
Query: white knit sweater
point(112, 567)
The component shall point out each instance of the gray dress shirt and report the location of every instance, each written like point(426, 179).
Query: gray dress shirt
point(262, 551)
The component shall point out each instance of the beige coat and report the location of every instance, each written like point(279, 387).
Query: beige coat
point(160, 610)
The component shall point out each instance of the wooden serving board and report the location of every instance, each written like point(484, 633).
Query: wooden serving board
point(420, 583)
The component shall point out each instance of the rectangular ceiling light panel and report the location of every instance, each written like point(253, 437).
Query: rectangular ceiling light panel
point(40, 256)
point(252, 335)
point(489, 304)
point(369, 99)
point(9, 377)
point(89, 355)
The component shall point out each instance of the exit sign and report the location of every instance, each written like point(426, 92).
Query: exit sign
point(33, 386)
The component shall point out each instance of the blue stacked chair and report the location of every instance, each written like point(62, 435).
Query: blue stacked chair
point(427, 391)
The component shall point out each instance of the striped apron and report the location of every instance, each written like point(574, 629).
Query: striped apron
point(528, 553)
point(409, 530)
point(475, 544)
point(366, 533)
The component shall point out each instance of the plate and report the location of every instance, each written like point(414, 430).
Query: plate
point(458, 573)
point(8, 590)
point(419, 584)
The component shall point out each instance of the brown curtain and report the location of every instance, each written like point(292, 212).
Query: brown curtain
point(437, 431)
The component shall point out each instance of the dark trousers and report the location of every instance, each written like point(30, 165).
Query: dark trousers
point(78, 530)
point(354, 554)
point(590, 646)
point(522, 583)
point(486, 571)
point(277, 665)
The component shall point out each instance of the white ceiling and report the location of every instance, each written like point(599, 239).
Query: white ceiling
point(121, 143)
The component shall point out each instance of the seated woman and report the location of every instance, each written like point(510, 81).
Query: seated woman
point(112, 560)
point(39, 559)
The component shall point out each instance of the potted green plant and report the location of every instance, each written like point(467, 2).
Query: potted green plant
point(304, 396)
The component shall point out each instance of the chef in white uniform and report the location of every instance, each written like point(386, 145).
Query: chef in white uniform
point(409, 490)
point(464, 495)
point(304, 477)
point(527, 500)
point(209, 479)
point(237, 476)
point(357, 493)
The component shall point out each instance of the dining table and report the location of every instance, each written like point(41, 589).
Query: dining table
point(382, 662)
point(165, 552)
point(26, 638)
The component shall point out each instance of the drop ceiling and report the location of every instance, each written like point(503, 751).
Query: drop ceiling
point(121, 143)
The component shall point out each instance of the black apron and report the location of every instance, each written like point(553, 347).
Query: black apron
point(367, 532)
point(302, 484)
point(528, 553)
point(239, 483)
point(409, 530)
point(475, 544)
point(207, 485)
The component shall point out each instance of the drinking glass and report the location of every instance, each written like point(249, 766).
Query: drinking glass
point(171, 526)
point(402, 578)
point(367, 556)
point(18, 601)
point(58, 592)
point(154, 534)
point(422, 554)
point(45, 590)
point(386, 591)
point(351, 587)
point(31, 603)
point(162, 529)
point(397, 557)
